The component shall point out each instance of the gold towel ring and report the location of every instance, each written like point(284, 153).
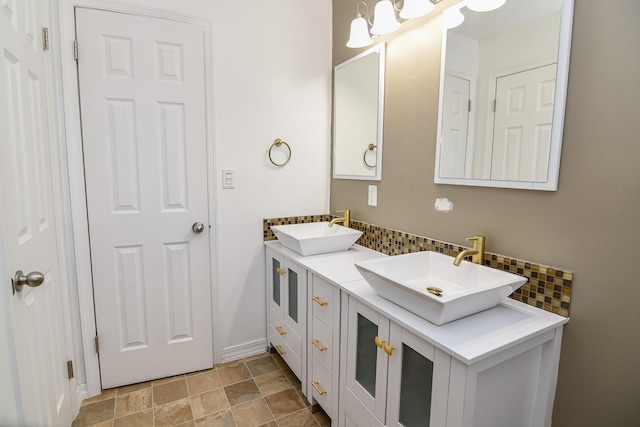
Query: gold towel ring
point(371, 147)
point(277, 143)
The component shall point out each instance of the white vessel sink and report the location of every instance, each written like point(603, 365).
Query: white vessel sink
point(316, 237)
point(461, 291)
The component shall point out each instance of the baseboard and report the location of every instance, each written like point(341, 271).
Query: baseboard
point(81, 394)
point(247, 349)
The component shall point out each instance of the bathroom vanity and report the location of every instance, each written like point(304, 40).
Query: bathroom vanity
point(369, 362)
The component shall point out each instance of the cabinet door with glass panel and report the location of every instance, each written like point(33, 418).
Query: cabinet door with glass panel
point(287, 289)
point(393, 377)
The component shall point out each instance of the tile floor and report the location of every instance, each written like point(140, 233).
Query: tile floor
point(259, 391)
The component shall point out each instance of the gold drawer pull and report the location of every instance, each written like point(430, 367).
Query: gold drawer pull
point(318, 389)
point(280, 271)
point(388, 349)
point(317, 344)
point(319, 301)
point(280, 331)
point(379, 342)
point(280, 350)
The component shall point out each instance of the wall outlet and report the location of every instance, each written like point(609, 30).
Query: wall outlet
point(373, 195)
point(228, 178)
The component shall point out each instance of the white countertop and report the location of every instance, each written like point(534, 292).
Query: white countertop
point(469, 339)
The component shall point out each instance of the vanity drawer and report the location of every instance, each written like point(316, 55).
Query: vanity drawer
point(286, 334)
point(323, 380)
point(323, 337)
point(322, 300)
point(292, 360)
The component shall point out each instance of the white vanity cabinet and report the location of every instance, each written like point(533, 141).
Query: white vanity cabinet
point(391, 376)
point(287, 310)
point(368, 362)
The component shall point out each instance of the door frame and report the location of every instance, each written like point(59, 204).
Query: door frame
point(75, 167)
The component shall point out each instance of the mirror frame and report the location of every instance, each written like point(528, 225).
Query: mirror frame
point(560, 98)
point(380, 49)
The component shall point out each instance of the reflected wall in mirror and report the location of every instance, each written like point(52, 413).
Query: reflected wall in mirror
point(358, 103)
point(502, 95)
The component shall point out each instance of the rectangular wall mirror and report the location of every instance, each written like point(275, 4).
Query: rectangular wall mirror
point(502, 94)
point(358, 105)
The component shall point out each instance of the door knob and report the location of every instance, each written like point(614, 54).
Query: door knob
point(33, 279)
point(197, 227)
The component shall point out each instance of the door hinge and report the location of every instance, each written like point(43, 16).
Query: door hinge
point(97, 345)
point(70, 369)
point(494, 105)
point(469, 106)
point(45, 38)
point(75, 49)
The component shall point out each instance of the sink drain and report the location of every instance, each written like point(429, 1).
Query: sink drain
point(435, 291)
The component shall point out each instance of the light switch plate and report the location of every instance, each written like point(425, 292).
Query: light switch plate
point(228, 178)
point(373, 195)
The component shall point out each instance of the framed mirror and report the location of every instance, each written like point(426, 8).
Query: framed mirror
point(358, 105)
point(503, 88)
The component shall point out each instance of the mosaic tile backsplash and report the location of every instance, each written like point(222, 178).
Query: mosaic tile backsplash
point(547, 288)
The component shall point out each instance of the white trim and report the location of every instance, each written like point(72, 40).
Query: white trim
point(247, 349)
point(77, 190)
point(81, 394)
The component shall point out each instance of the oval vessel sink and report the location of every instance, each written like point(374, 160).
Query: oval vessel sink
point(316, 237)
point(431, 286)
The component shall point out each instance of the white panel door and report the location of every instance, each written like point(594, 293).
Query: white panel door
point(143, 126)
point(522, 127)
point(33, 317)
point(455, 124)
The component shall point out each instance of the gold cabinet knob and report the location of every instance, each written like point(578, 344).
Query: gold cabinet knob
point(280, 331)
point(280, 271)
point(388, 349)
point(280, 350)
point(379, 342)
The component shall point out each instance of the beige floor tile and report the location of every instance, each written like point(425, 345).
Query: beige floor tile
point(291, 376)
point(133, 402)
point(284, 403)
point(221, 419)
point(95, 413)
point(279, 360)
point(106, 394)
point(133, 387)
point(168, 380)
point(233, 374)
point(252, 413)
point(241, 392)
point(210, 402)
point(204, 381)
point(139, 419)
point(169, 392)
point(301, 418)
point(173, 413)
point(272, 382)
point(262, 366)
point(269, 424)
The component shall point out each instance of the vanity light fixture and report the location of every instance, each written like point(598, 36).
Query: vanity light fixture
point(452, 17)
point(385, 21)
point(484, 5)
point(384, 18)
point(359, 35)
point(415, 8)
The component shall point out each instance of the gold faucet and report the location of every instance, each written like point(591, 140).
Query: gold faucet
point(346, 220)
point(477, 251)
